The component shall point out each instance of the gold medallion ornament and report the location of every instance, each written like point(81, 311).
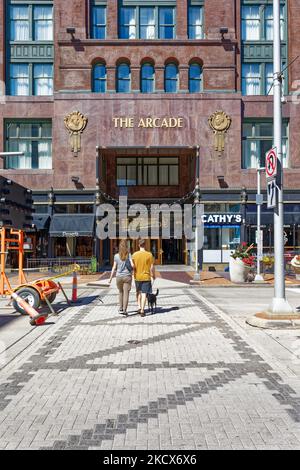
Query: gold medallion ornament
point(220, 123)
point(75, 122)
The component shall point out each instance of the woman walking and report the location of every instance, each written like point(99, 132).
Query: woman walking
point(123, 265)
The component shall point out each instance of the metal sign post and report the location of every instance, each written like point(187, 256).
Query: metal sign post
point(279, 303)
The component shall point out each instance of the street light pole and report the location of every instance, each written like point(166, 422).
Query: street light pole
point(259, 202)
point(197, 275)
point(244, 200)
point(279, 303)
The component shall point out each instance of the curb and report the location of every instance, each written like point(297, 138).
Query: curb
point(273, 324)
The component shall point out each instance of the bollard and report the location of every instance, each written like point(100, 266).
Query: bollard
point(35, 317)
point(74, 287)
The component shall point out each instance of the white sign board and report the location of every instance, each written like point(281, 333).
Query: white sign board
point(272, 194)
point(271, 164)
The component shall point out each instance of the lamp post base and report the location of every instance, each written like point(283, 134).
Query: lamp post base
point(197, 277)
point(280, 315)
point(259, 278)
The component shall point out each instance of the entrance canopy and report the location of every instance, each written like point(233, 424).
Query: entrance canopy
point(41, 222)
point(72, 225)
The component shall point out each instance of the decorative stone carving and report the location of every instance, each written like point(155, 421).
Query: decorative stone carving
point(75, 122)
point(219, 122)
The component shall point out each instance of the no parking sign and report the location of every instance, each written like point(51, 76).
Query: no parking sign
point(271, 164)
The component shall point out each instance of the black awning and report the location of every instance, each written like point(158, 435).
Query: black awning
point(41, 222)
point(72, 225)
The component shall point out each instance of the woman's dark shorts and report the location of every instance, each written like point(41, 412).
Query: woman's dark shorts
point(144, 287)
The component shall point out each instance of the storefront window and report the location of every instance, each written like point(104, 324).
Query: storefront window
point(212, 238)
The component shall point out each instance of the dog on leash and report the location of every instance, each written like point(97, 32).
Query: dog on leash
point(152, 298)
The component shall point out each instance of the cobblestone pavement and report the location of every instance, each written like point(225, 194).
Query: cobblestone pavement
point(184, 378)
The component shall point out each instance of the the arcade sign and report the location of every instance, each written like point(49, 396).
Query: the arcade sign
point(148, 122)
point(222, 219)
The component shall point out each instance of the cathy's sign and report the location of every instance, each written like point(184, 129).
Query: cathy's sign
point(148, 122)
point(222, 219)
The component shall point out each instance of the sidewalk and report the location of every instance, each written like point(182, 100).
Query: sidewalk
point(181, 275)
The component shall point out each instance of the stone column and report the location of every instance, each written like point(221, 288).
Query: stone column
point(111, 78)
point(184, 79)
point(159, 78)
point(182, 19)
point(112, 19)
point(135, 79)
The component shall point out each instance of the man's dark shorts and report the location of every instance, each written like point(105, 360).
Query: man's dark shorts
point(144, 287)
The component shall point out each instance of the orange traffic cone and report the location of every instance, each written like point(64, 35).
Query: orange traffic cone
point(74, 287)
point(35, 317)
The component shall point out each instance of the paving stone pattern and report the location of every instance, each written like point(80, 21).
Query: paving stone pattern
point(179, 379)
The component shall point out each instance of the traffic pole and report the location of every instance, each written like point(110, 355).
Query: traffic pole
point(74, 287)
point(279, 303)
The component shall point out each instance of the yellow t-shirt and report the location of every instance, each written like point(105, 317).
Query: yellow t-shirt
point(143, 261)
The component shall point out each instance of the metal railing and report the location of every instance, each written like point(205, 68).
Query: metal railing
point(61, 264)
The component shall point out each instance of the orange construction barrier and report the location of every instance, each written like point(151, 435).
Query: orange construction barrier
point(36, 318)
point(74, 287)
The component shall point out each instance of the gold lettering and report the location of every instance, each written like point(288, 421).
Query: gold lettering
point(156, 122)
point(116, 121)
point(173, 122)
point(149, 122)
point(142, 123)
point(131, 123)
point(164, 123)
point(180, 122)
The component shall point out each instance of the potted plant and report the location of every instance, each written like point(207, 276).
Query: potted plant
point(268, 262)
point(241, 261)
point(296, 265)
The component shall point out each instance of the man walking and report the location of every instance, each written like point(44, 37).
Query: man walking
point(143, 273)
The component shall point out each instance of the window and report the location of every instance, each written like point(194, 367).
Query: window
point(32, 138)
point(166, 23)
point(31, 79)
point(31, 23)
point(123, 78)
point(30, 67)
point(148, 171)
point(147, 78)
point(147, 22)
point(19, 79)
point(99, 78)
point(258, 139)
point(19, 23)
point(195, 18)
point(98, 22)
point(43, 79)
point(171, 78)
point(195, 78)
point(257, 22)
point(43, 23)
point(257, 78)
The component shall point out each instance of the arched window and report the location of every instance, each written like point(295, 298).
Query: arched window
point(147, 78)
point(123, 78)
point(99, 78)
point(195, 78)
point(171, 78)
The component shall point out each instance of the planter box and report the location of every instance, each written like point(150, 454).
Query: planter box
point(238, 270)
